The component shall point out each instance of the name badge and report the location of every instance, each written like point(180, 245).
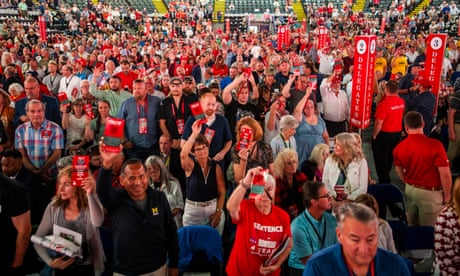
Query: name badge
point(142, 125)
point(180, 126)
point(46, 133)
point(209, 134)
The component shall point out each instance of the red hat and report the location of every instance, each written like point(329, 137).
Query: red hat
point(81, 61)
point(422, 81)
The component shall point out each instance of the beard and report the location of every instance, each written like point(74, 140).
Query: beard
point(138, 97)
point(187, 91)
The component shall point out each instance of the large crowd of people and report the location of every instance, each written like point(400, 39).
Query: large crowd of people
point(223, 128)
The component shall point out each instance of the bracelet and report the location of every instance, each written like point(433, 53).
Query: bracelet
point(241, 159)
point(243, 185)
point(218, 210)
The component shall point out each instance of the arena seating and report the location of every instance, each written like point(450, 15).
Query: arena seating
point(141, 4)
point(13, 14)
point(244, 6)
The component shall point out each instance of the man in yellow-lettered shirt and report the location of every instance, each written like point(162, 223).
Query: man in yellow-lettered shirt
point(399, 62)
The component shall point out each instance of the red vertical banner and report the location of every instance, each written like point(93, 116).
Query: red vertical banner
point(382, 26)
point(281, 37)
point(363, 80)
point(435, 47)
point(227, 25)
point(42, 24)
point(322, 37)
point(287, 37)
point(304, 25)
point(147, 26)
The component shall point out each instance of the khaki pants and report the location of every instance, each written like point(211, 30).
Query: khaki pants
point(162, 271)
point(423, 206)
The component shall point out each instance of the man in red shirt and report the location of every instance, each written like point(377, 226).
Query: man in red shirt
point(387, 130)
point(184, 64)
point(422, 163)
point(126, 76)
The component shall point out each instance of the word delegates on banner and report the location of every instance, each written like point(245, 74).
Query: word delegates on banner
point(363, 80)
point(283, 37)
point(435, 47)
point(382, 26)
point(42, 26)
point(323, 37)
point(148, 26)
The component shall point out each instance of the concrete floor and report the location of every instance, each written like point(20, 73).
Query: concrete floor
point(366, 136)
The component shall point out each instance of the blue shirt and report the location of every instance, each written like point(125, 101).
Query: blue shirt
point(306, 241)
point(330, 261)
point(131, 112)
point(221, 130)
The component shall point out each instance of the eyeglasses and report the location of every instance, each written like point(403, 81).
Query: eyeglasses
point(200, 148)
point(328, 195)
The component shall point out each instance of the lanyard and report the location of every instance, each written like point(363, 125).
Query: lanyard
point(288, 145)
point(68, 82)
point(372, 269)
point(52, 81)
point(173, 109)
point(146, 108)
point(166, 160)
point(323, 238)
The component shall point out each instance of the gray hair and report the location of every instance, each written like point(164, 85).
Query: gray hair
point(17, 87)
point(288, 121)
point(35, 101)
point(165, 175)
point(357, 211)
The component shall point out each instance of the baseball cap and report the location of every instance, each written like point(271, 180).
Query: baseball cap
point(175, 81)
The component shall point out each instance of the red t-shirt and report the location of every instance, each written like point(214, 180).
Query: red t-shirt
point(390, 110)
point(256, 236)
point(127, 79)
point(421, 156)
point(220, 71)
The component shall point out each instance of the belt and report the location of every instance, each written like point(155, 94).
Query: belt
point(425, 187)
point(201, 203)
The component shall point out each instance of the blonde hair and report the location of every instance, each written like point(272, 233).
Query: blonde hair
point(280, 160)
point(351, 150)
point(317, 154)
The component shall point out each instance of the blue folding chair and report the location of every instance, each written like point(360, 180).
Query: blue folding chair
point(417, 244)
point(390, 197)
point(200, 250)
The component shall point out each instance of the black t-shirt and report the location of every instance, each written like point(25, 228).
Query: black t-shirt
point(3, 136)
point(13, 202)
point(234, 111)
point(171, 113)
